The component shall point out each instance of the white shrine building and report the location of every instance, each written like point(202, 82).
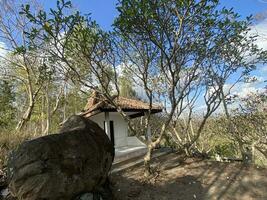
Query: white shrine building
point(99, 110)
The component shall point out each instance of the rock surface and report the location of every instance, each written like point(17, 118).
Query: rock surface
point(3, 181)
point(88, 196)
point(64, 165)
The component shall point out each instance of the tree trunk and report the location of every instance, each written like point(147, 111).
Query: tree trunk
point(242, 151)
point(48, 113)
point(43, 115)
point(148, 128)
point(233, 132)
point(147, 160)
point(26, 117)
point(32, 97)
point(187, 151)
point(150, 147)
point(64, 103)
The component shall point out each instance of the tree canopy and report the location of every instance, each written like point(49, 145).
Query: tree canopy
point(181, 53)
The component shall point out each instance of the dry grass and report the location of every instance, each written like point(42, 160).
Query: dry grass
point(10, 140)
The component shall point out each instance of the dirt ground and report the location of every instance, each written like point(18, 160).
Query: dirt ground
point(180, 179)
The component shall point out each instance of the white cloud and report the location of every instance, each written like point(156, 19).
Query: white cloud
point(245, 89)
point(261, 30)
point(119, 69)
point(259, 79)
point(255, 79)
point(3, 50)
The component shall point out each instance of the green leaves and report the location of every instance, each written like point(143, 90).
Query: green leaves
point(20, 50)
point(7, 109)
point(47, 27)
point(188, 35)
point(62, 3)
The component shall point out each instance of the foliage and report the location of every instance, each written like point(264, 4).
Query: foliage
point(183, 52)
point(180, 53)
point(126, 85)
point(77, 46)
point(9, 140)
point(7, 108)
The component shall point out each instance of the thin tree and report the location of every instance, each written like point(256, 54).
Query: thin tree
point(171, 47)
point(19, 64)
point(182, 43)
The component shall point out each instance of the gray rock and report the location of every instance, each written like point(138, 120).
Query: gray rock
point(62, 166)
point(4, 193)
point(3, 179)
point(89, 196)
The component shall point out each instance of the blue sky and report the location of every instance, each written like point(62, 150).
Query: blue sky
point(104, 11)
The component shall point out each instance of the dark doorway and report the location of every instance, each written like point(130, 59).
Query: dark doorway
point(112, 133)
point(111, 125)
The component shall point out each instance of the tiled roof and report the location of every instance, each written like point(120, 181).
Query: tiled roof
point(97, 103)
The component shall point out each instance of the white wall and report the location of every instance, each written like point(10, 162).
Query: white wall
point(99, 119)
point(120, 127)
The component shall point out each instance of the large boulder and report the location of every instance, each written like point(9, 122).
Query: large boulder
point(64, 165)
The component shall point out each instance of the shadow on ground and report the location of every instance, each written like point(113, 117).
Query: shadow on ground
point(178, 178)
